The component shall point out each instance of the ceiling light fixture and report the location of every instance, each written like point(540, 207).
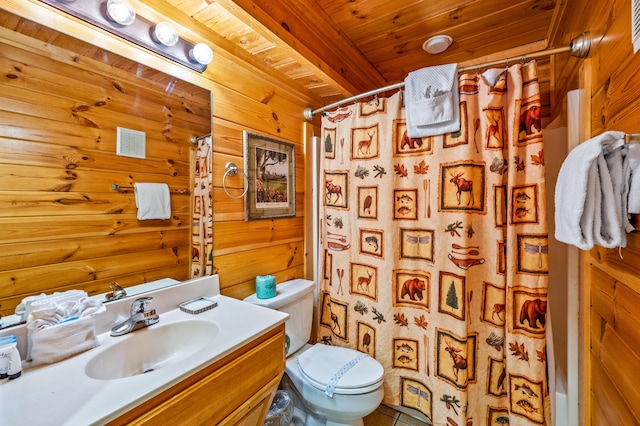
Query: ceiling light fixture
point(121, 12)
point(120, 19)
point(437, 44)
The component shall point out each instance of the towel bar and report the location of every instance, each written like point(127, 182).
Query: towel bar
point(116, 187)
point(632, 138)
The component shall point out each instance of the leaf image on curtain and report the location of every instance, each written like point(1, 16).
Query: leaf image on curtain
point(436, 251)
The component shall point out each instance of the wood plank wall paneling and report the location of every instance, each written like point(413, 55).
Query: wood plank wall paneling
point(612, 397)
point(62, 225)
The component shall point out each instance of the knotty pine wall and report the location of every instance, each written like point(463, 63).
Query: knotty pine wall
point(62, 227)
point(610, 282)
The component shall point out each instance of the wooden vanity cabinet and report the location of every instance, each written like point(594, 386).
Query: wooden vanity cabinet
point(236, 390)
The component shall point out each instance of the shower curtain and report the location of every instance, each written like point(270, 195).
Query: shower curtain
point(434, 255)
point(202, 221)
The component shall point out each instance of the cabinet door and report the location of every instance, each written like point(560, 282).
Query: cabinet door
point(254, 411)
point(241, 389)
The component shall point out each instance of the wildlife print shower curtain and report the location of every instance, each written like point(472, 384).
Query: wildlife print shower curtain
point(202, 223)
point(434, 255)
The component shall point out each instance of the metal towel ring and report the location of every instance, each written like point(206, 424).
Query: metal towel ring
point(231, 170)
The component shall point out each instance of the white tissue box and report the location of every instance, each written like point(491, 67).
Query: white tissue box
point(61, 341)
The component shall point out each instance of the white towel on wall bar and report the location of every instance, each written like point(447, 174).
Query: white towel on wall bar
point(152, 200)
point(591, 194)
point(432, 101)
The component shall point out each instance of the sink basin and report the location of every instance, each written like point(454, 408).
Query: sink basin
point(151, 348)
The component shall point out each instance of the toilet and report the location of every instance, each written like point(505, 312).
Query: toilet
point(352, 378)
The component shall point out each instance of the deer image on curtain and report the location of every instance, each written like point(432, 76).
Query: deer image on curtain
point(202, 221)
point(435, 251)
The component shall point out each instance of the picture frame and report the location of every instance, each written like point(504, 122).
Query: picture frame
point(270, 167)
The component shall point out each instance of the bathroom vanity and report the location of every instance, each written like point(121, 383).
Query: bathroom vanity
point(221, 366)
point(236, 390)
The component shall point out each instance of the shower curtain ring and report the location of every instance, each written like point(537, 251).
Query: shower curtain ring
point(231, 170)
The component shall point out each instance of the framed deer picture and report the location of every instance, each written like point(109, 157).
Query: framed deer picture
point(270, 167)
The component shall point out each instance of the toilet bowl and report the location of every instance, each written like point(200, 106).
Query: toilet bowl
point(337, 386)
point(357, 393)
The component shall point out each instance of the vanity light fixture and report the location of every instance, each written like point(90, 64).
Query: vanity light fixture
point(119, 18)
point(201, 53)
point(165, 34)
point(121, 12)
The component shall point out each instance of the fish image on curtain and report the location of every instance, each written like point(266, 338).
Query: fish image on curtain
point(405, 205)
point(371, 241)
point(443, 241)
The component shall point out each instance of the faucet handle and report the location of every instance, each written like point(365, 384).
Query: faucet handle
point(117, 292)
point(140, 305)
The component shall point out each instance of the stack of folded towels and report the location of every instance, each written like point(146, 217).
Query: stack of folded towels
point(61, 325)
point(598, 187)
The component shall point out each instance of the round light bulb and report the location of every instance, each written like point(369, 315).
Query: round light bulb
point(121, 12)
point(166, 34)
point(201, 53)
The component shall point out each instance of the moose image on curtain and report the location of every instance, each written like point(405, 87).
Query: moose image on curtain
point(435, 256)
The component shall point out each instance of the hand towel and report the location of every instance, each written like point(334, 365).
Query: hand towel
point(634, 178)
point(591, 193)
point(432, 101)
point(152, 200)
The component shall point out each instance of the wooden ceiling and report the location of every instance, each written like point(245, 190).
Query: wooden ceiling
point(338, 48)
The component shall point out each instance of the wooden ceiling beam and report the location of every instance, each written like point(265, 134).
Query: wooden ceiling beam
point(310, 32)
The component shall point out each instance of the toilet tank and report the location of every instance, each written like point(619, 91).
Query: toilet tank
point(294, 297)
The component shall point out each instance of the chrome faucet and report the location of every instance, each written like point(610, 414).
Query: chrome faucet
point(140, 317)
point(116, 293)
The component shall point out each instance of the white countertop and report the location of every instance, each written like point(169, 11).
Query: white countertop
point(63, 394)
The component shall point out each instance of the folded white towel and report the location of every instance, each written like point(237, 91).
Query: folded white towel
point(591, 194)
point(432, 101)
point(61, 326)
point(634, 178)
point(152, 200)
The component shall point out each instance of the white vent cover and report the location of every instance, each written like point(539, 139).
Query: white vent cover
point(635, 24)
point(131, 143)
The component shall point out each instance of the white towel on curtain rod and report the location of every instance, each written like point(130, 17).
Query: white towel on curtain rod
point(432, 101)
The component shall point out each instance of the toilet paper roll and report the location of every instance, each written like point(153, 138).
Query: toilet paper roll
point(265, 286)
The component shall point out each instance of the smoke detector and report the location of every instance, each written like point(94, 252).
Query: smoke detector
point(437, 44)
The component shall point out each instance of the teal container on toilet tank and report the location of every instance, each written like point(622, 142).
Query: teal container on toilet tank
point(265, 286)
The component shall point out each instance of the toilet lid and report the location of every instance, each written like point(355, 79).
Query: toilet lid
point(320, 363)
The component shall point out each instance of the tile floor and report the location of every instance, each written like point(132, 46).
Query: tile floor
point(385, 416)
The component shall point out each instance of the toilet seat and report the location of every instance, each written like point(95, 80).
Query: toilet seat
point(320, 363)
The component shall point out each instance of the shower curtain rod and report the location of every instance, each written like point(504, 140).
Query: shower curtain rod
point(579, 48)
